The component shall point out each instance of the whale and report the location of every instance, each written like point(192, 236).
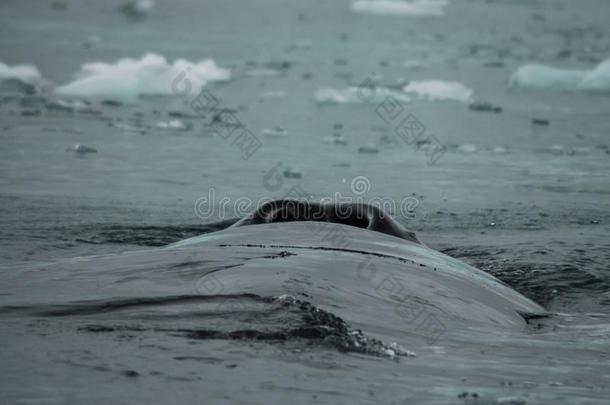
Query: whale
point(270, 276)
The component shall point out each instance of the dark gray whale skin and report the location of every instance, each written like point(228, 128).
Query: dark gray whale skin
point(363, 267)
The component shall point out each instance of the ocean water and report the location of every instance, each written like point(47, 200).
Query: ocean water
point(522, 194)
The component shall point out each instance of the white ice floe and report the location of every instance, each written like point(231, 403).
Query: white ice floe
point(172, 125)
point(151, 75)
point(275, 132)
point(336, 139)
point(414, 64)
point(28, 74)
point(467, 148)
point(439, 90)
point(353, 95)
point(500, 150)
point(414, 8)
point(595, 80)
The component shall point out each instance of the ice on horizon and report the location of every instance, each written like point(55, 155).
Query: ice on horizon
point(415, 8)
point(28, 74)
point(357, 95)
point(152, 75)
point(596, 80)
point(438, 90)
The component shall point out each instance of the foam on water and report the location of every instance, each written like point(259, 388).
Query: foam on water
point(151, 75)
point(439, 90)
point(400, 8)
point(355, 95)
point(596, 80)
point(28, 74)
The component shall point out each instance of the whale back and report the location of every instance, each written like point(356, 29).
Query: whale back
point(387, 286)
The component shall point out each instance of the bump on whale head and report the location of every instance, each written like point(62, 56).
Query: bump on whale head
point(359, 215)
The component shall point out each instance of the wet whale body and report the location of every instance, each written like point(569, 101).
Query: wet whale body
point(347, 276)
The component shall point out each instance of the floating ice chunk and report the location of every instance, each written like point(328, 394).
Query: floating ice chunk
point(27, 74)
point(81, 149)
point(467, 148)
point(277, 132)
point(596, 80)
point(173, 125)
point(128, 127)
point(70, 106)
point(20, 79)
point(539, 76)
point(273, 94)
point(415, 8)
point(151, 75)
point(439, 90)
point(414, 64)
point(353, 95)
point(336, 139)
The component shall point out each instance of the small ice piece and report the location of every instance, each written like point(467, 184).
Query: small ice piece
point(484, 106)
point(276, 131)
point(413, 8)
point(336, 139)
point(138, 9)
point(467, 148)
point(414, 64)
point(128, 127)
point(70, 106)
point(151, 75)
point(286, 298)
point(354, 95)
point(596, 80)
point(439, 90)
point(293, 173)
point(368, 149)
point(401, 351)
point(499, 150)
point(172, 125)
point(81, 149)
point(274, 94)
